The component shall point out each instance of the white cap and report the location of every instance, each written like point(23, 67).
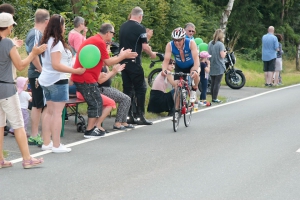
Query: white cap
point(6, 20)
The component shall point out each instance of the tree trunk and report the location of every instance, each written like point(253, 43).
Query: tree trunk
point(282, 11)
point(75, 9)
point(297, 58)
point(225, 15)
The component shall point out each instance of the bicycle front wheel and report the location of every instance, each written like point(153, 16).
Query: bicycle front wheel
point(187, 116)
point(177, 108)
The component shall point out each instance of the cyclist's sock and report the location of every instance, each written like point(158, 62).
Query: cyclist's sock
point(194, 89)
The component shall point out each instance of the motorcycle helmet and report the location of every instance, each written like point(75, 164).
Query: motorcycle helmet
point(178, 33)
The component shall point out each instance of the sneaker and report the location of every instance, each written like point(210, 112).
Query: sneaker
point(35, 140)
point(216, 101)
point(95, 132)
point(47, 147)
point(61, 149)
point(202, 103)
point(193, 96)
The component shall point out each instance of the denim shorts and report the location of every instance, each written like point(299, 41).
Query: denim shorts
point(56, 93)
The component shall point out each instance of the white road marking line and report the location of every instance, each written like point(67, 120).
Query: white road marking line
point(158, 121)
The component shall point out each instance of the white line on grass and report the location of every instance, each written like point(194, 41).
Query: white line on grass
point(158, 121)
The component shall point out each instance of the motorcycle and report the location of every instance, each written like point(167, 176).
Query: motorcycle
point(152, 75)
point(234, 78)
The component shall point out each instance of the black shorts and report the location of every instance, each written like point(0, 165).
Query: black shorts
point(269, 66)
point(91, 95)
point(38, 99)
point(184, 70)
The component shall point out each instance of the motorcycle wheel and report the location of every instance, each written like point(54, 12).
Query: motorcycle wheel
point(235, 80)
point(153, 75)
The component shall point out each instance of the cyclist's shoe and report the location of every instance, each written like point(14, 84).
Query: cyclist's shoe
point(37, 140)
point(193, 96)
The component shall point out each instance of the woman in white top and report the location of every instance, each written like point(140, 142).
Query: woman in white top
point(57, 61)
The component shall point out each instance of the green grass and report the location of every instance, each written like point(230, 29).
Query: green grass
point(253, 71)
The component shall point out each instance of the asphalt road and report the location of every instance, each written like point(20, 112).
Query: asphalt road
point(243, 149)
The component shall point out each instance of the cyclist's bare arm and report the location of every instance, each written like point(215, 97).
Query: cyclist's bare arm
point(194, 51)
point(168, 54)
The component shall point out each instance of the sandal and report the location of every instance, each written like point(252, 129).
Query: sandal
point(32, 163)
point(4, 164)
point(129, 126)
point(119, 128)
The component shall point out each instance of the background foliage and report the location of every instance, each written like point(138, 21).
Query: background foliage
point(248, 21)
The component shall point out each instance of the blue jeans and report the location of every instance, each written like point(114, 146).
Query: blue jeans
point(203, 88)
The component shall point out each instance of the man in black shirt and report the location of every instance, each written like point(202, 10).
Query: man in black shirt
point(133, 36)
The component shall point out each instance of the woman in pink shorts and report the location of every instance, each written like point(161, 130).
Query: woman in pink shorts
point(108, 105)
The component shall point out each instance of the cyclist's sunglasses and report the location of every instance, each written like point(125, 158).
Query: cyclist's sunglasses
point(178, 40)
point(191, 31)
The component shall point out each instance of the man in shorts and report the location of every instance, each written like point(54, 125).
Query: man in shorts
point(87, 83)
point(34, 36)
point(270, 46)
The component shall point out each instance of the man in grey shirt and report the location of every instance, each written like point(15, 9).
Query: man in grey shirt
point(33, 38)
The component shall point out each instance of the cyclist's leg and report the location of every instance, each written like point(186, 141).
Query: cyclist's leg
point(196, 80)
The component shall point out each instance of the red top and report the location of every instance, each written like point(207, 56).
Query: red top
point(91, 75)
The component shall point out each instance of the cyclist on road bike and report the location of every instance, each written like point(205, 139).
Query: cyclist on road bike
point(186, 58)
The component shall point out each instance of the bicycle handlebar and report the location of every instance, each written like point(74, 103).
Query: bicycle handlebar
point(179, 73)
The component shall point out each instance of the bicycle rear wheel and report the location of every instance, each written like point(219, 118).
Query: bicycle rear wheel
point(177, 108)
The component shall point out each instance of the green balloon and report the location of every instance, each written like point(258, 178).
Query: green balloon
point(198, 41)
point(203, 47)
point(89, 56)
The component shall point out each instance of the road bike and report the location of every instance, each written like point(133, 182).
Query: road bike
point(182, 104)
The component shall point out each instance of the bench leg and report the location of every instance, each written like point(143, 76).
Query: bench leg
point(63, 122)
point(76, 113)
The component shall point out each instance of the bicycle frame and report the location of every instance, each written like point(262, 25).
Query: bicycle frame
point(183, 84)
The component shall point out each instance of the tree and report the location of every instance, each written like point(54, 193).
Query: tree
point(225, 15)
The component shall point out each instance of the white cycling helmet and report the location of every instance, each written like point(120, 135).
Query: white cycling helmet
point(178, 33)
